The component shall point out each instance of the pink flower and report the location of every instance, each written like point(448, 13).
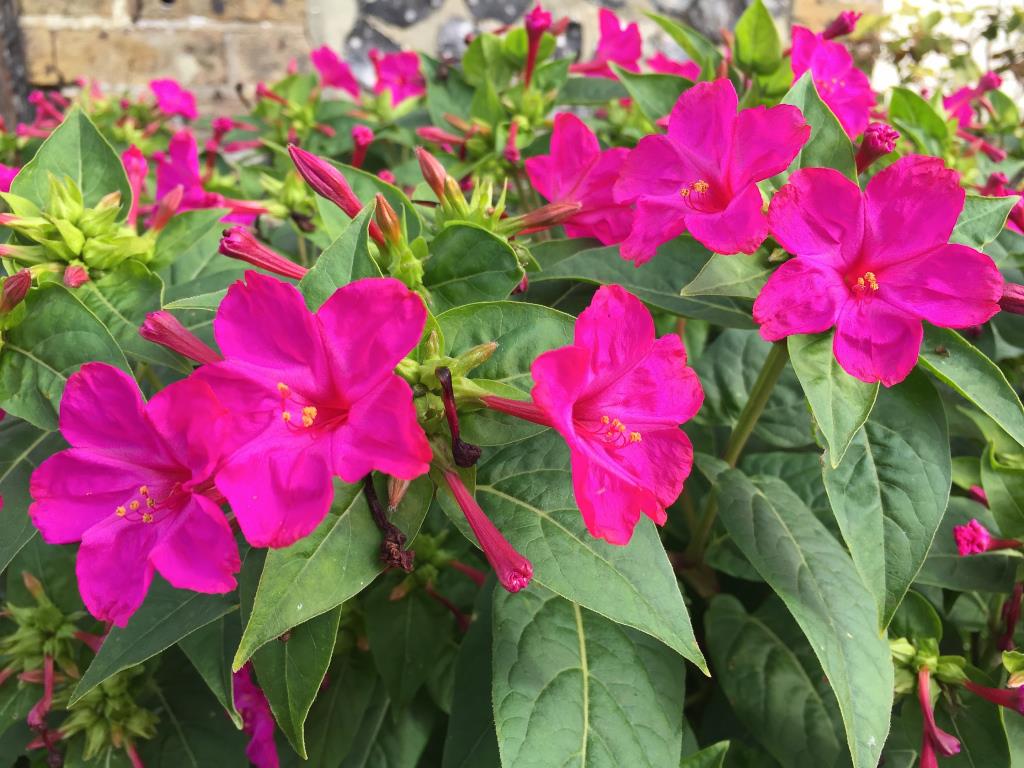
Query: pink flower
point(874, 265)
point(7, 174)
point(973, 538)
point(702, 176)
point(398, 73)
point(843, 24)
point(1011, 698)
point(578, 171)
point(313, 394)
point(617, 44)
point(334, 73)
point(666, 66)
point(239, 243)
point(879, 140)
point(537, 22)
point(617, 396)
point(844, 88)
point(137, 169)
point(362, 138)
point(941, 742)
point(172, 99)
point(136, 488)
point(960, 103)
point(257, 719)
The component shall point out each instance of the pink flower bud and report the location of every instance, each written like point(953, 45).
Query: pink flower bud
point(546, 216)
point(511, 151)
point(433, 172)
point(843, 24)
point(263, 92)
point(977, 493)
point(239, 243)
point(447, 140)
point(989, 82)
point(166, 208)
point(974, 538)
point(1012, 300)
point(165, 329)
point(75, 276)
point(1011, 698)
point(879, 139)
point(14, 290)
point(387, 220)
point(362, 138)
point(537, 21)
point(944, 743)
point(513, 570)
point(385, 175)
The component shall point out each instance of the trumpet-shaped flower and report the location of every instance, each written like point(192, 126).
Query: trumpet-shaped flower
point(136, 488)
point(334, 72)
point(313, 394)
point(578, 171)
point(617, 395)
point(617, 44)
point(399, 73)
point(172, 99)
point(844, 88)
point(702, 175)
point(874, 264)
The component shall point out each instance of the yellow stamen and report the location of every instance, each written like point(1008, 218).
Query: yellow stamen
point(605, 419)
point(283, 389)
point(308, 416)
point(134, 506)
point(147, 518)
point(635, 437)
point(150, 503)
point(121, 511)
point(286, 416)
point(144, 490)
point(701, 186)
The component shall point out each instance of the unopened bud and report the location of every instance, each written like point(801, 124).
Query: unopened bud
point(75, 276)
point(879, 140)
point(841, 25)
point(433, 172)
point(397, 488)
point(362, 138)
point(239, 243)
point(388, 221)
point(537, 23)
point(473, 358)
point(14, 290)
point(1012, 300)
point(33, 585)
point(165, 329)
point(989, 82)
point(166, 208)
point(546, 216)
point(263, 92)
point(511, 152)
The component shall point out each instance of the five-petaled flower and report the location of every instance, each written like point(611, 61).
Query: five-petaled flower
point(172, 99)
point(617, 395)
point(334, 71)
point(844, 88)
point(617, 44)
point(398, 73)
point(136, 488)
point(874, 264)
point(702, 176)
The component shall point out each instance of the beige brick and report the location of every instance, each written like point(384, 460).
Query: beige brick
point(40, 56)
point(816, 14)
point(135, 56)
point(225, 10)
point(65, 7)
point(263, 54)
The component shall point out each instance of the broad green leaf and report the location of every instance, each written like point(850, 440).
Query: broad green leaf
point(337, 715)
point(16, 701)
point(77, 150)
point(801, 471)
point(187, 248)
point(469, 264)
point(561, 674)
point(758, 47)
point(840, 403)
point(1004, 487)
point(403, 736)
point(167, 616)
point(698, 47)
point(447, 93)
point(326, 568)
point(208, 302)
point(591, 90)
point(828, 146)
point(961, 365)
point(657, 283)
point(22, 449)
point(981, 220)
point(741, 276)
point(370, 727)
point(768, 688)
point(918, 122)
point(55, 569)
point(654, 93)
point(816, 579)
point(890, 490)
point(39, 355)
point(710, 757)
point(210, 649)
point(915, 619)
point(346, 259)
point(526, 489)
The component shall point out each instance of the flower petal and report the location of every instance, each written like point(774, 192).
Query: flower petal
point(740, 228)
point(560, 376)
point(194, 423)
point(610, 506)
point(618, 330)
point(113, 568)
point(801, 296)
point(765, 143)
point(877, 342)
point(574, 150)
point(198, 550)
point(655, 221)
point(655, 167)
point(703, 120)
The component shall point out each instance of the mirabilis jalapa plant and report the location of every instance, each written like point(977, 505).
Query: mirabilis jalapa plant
point(712, 360)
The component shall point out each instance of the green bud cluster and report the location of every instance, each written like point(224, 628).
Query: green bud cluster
point(908, 657)
point(41, 630)
point(109, 714)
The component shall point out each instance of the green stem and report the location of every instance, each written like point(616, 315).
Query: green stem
point(759, 396)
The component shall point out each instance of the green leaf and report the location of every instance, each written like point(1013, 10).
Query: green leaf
point(187, 247)
point(77, 150)
point(207, 302)
point(961, 365)
point(1004, 487)
point(981, 220)
point(36, 359)
point(657, 283)
point(591, 90)
point(167, 616)
point(559, 674)
point(526, 489)
point(655, 93)
point(741, 276)
point(710, 757)
point(916, 619)
point(210, 649)
point(828, 146)
point(346, 259)
point(890, 490)
point(469, 264)
point(840, 403)
point(697, 47)
point(337, 716)
point(768, 688)
point(758, 47)
point(326, 568)
point(370, 727)
point(918, 122)
point(447, 94)
point(403, 736)
point(816, 579)
point(22, 449)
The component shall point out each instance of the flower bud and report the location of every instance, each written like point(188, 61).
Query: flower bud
point(75, 276)
point(166, 208)
point(989, 82)
point(165, 329)
point(433, 172)
point(362, 138)
point(473, 358)
point(388, 221)
point(974, 538)
point(546, 216)
point(465, 454)
point(1012, 300)
point(397, 488)
point(137, 169)
point(537, 23)
point(239, 243)
point(263, 92)
point(879, 139)
point(511, 151)
point(841, 25)
point(14, 290)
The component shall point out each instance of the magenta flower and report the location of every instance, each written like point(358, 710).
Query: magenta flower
point(398, 73)
point(960, 103)
point(666, 66)
point(362, 138)
point(874, 265)
point(844, 88)
point(1011, 698)
point(163, 328)
point(257, 719)
point(313, 394)
point(879, 140)
point(617, 44)
point(137, 169)
point(617, 396)
point(843, 24)
point(172, 99)
point(136, 488)
point(973, 538)
point(334, 72)
point(578, 171)
point(702, 176)
point(537, 22)
point(7, 174)
point(933, 738)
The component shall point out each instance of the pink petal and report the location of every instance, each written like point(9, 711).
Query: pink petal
point(544, 176)
point(611, 507)
point(560, 376)
point(618, 330)
point(953, 286)
point(382, 433)
point(574, 149)
point(113, 568)
point(805, 43)
point(877, 342)
point(740, 228)
point(852, 102)
point(911, 208)
point(660, 462)
point(197, 550)
point(194, 423)
point(703, 121)
point(818, 215)
point(368, 327)
point(765, 143)
point(654, 168)
point(655, 221)
point(801, 296)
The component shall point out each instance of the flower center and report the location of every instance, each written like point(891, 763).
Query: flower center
point(613, 433)
point(302, 416)
point(866, 284)
point(143, 508)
